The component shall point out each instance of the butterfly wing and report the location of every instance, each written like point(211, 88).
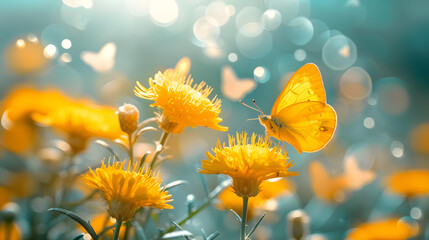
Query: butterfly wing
point(308, 126)
point(232, 87)
point(305, 85)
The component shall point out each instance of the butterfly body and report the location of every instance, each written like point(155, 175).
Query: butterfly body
point(300, 115)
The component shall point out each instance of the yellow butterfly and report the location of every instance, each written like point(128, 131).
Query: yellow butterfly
point(300, 115)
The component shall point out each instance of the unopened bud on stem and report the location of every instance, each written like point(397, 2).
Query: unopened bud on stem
point(128, 115)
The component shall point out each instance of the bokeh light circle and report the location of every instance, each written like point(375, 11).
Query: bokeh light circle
point(355, 83)
point(300, 55)
point(321, 34)
point(393, 97)
point(253, 42)
point(271, 19)
point(232, 57)
point(289, 9)
point(261, 74)
point(300, 31)
point(247, 15)
point(205, 31)
point(369, 122)
point(163, 12)
point(217, 14)
point(339, 52)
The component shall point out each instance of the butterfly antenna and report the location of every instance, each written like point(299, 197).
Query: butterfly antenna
point(251, 107)
point(254, 102)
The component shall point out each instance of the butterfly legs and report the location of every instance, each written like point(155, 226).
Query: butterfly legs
point(250, 119)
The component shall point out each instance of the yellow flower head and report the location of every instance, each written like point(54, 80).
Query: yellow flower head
point(409, 183)
point(127, 190)
point(388, 229)
point(182, 103)
point(247, 164)
point(81, 121)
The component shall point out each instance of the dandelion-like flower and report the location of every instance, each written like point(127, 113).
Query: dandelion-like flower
point(127, 190)
point(183, 103)
point(248, 164)
point(81, 121)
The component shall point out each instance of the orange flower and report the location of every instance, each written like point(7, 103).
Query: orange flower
point(409, 183)
point(389, 229)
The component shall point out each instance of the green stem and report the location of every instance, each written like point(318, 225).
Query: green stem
point(117, 229)
point(244, 219)
point(162, 142)
point(131, 148)
point(127, 230)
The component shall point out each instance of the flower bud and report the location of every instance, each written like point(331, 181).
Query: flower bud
point(128, 117)
point(298, 225)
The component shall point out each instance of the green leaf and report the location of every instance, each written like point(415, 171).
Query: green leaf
point(79, 237)
point(220, 188)
point(106, 146)
point(213, 235)
point(256, 225)
point(236, 215)
point(77, 219)
point(175, 184)
point(177, 234)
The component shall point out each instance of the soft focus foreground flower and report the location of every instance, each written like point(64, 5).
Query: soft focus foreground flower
point(409, 183)
point(390, 229)
point(182, 103)
point(264, 200)
point(11, 229)
point(82, 121)
point(127, 190)
point(17, 111)
point(247, 164)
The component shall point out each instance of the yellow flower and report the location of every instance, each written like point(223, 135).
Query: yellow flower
point(182, 103)
point(247, 164)
point(409, 183)
point(81, 121)
point(264, 200)
point(127, 190)
point(17, 111)
point(389, 229)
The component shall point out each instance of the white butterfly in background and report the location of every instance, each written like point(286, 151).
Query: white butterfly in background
point(233, 87)
point(102, 61)
point(356, 177)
